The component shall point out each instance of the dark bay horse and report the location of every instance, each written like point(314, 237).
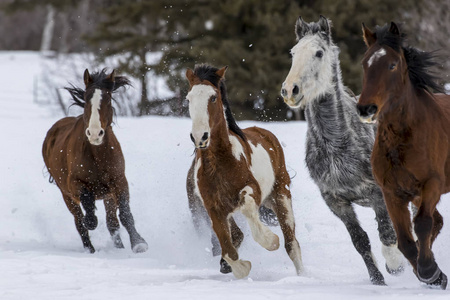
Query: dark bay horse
point(84, 158)
point(338, 145)
point(236, 170)
point(411, 154)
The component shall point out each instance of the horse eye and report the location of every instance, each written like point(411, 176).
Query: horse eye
point(392, 66)
point(213, 99)
point(319, 53)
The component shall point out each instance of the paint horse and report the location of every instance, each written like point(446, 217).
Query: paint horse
point(236, 170)
point(411, 155)
point(84, 158)
point(338, 145)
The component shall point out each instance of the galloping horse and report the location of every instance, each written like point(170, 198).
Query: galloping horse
point(411, 155)
point(236, 170)
point(338, 146)
point(85, 160)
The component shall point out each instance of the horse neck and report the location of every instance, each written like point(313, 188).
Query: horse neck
point(404, 105)
point(330, 114)
point(219, 149)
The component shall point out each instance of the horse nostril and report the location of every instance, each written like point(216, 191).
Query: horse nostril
point(283, 92)
point(295, 90)
point(192, 138)
point(372, 109)
point(101, 133)
point(205, 136)
point(88, 132)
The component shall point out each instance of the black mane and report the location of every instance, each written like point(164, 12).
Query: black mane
point(99, 81)
point(419, 62)
point(205, 72)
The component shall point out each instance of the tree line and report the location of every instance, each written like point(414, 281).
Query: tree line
point(252, 37)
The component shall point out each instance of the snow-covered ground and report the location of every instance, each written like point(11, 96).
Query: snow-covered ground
point(41, 255)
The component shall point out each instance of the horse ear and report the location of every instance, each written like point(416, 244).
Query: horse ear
point(301, 27)
point(87, 77)
point(112, 76)
point(394, 29)
point(190, 76)
point(369, 37)
point(324, 24)
point(221, 72)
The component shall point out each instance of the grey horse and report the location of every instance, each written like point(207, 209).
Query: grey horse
point(338, 146)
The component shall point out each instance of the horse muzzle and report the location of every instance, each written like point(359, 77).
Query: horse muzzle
point(203, 142)
point(367, 113)
point(95, 135)
point(294, 102)
point(291, 95)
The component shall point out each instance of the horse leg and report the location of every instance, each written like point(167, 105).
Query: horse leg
point(77, 213)
point(240, 268)
point(198, 212)
point(236, 237)
point(343, 210)
point(112, 222)
point(87, 200)
point(438, 222)
point(401, 219)
point(138, 244)
point(261, 233)
point(283, 210)
point(388, 238)
point(427, 268)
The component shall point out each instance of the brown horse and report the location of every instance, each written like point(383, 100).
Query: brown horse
point(236, 170)
point(85, 160)
point(411, 155)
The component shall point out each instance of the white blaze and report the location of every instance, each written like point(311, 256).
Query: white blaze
point(377, 55)
point(198, 109)
point(95, 126)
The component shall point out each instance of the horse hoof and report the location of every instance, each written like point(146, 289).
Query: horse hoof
point(117, 241)
point(224, 267)
point(438, 279)
point(395, 272)
point(377, 279)
point(90, 222)
point(241, 268)
point(267, 216)
point(140, 247)
point(89, 249)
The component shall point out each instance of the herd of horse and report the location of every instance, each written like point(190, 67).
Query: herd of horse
point(383, 150)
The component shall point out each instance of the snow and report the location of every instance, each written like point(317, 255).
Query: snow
point(41, 254)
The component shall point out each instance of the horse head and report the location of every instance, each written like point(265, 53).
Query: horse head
point(206, 106)
point(312, 58)
point(385, 71)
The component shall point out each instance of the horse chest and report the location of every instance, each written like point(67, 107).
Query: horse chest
point(221, 181)
point(389, 167)
point(337, 165)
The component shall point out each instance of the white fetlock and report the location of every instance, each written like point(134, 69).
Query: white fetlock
point(393, 256)
point(140, 248)
point(271, 241)
point(240, 268)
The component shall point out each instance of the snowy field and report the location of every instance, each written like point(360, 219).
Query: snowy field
point(41, 254)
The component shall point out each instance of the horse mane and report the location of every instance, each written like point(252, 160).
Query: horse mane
point(205, 72)
point(418, 62)
point(99, 81)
